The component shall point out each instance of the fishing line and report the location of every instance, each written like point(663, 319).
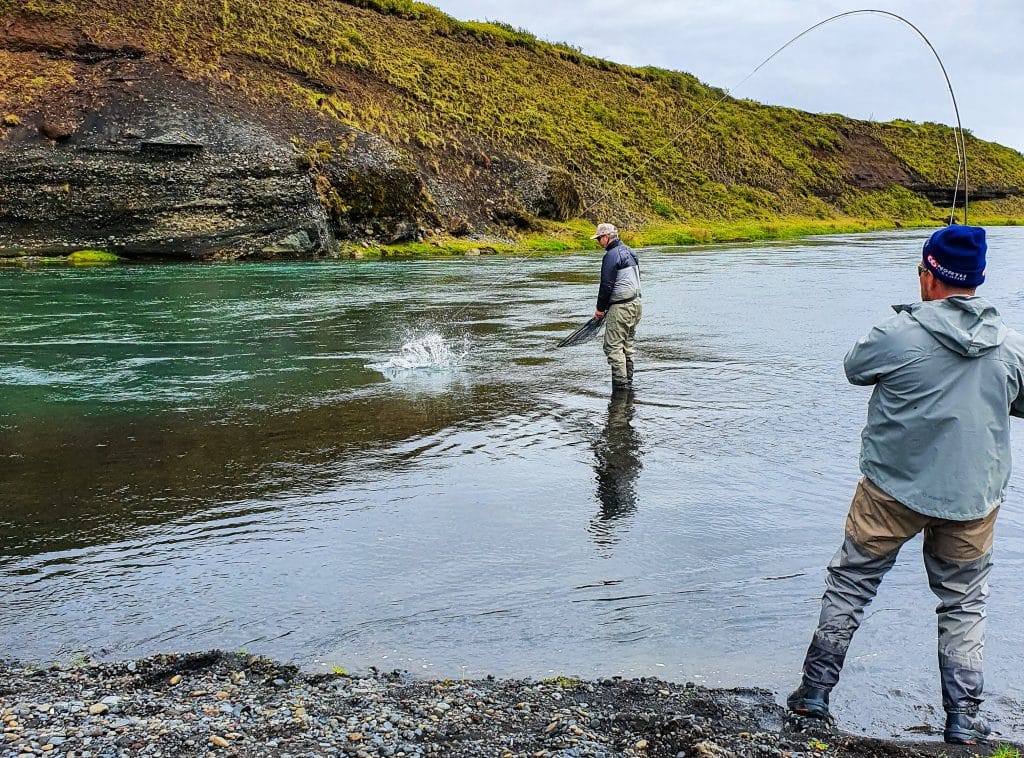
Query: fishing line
point(958, 138)
point(958, 132)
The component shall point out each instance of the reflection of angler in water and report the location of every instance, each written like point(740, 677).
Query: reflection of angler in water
point(617, 464)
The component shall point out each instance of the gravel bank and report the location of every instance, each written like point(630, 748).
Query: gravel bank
point(229, 704)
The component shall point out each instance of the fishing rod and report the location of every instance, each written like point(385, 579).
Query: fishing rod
point(958, 132)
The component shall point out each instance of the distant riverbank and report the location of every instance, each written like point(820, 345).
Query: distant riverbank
point(552, 240)
point(236, 704)
point(575, 236)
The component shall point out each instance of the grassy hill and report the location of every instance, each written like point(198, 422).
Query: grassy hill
point(505, 134)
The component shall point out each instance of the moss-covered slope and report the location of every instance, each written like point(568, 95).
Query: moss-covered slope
point(411, 123)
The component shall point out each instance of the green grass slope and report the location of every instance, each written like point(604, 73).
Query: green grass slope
point(659, 152)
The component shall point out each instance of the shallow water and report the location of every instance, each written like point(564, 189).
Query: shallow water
point(244, 456)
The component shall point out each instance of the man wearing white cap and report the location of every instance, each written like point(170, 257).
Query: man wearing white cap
point(618, 303)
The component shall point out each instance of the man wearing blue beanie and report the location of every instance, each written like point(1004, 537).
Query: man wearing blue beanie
point(935, 453)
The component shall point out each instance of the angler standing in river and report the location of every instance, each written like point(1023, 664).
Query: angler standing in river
point(935, 454)
point(618, 303)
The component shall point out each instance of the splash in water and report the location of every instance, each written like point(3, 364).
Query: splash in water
point(430, 352)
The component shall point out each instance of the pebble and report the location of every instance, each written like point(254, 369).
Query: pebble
point(255, 707)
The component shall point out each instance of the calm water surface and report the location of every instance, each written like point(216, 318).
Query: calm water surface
point(198, 456)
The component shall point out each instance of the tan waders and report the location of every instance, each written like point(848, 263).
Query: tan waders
point(619, 331)
point(957, 559)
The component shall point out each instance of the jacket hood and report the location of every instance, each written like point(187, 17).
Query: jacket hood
point(970, 326)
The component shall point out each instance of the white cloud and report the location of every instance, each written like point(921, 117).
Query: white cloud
point(864, 66)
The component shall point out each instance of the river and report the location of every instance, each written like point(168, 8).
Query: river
point(233, 456)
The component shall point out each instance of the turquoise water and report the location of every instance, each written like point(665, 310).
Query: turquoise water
point(243, 455)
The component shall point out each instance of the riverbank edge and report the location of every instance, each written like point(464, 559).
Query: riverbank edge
point(575, 237)
point(233, 704)
point(561, 239)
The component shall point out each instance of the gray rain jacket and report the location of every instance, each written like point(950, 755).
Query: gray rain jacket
point(948, 374)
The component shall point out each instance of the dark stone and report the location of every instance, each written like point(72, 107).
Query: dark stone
point(172, 145)
point(59, 132)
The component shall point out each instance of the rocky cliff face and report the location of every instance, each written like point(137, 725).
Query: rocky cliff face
point(132, 159)
point(129, 156)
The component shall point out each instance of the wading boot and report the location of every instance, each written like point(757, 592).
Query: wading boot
point(808, 701)
point(961, 697)
point(629, 370)
point(619, 382)
point(965, 729)
point(822, 665)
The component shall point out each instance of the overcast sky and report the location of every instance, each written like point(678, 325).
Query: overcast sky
point(866, 66)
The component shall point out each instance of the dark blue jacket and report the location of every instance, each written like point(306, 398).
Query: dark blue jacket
point(620, 276)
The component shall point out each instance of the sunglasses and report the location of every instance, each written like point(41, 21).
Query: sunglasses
point(920, 269)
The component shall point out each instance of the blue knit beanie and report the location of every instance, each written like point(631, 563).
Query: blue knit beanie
point(956, 255)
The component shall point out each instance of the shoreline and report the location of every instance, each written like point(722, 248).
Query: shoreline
point(233, 704)
point(569, 238)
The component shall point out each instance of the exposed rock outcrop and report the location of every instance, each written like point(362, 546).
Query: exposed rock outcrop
point(143, 171)
point(371, 189)
point(547, 192)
